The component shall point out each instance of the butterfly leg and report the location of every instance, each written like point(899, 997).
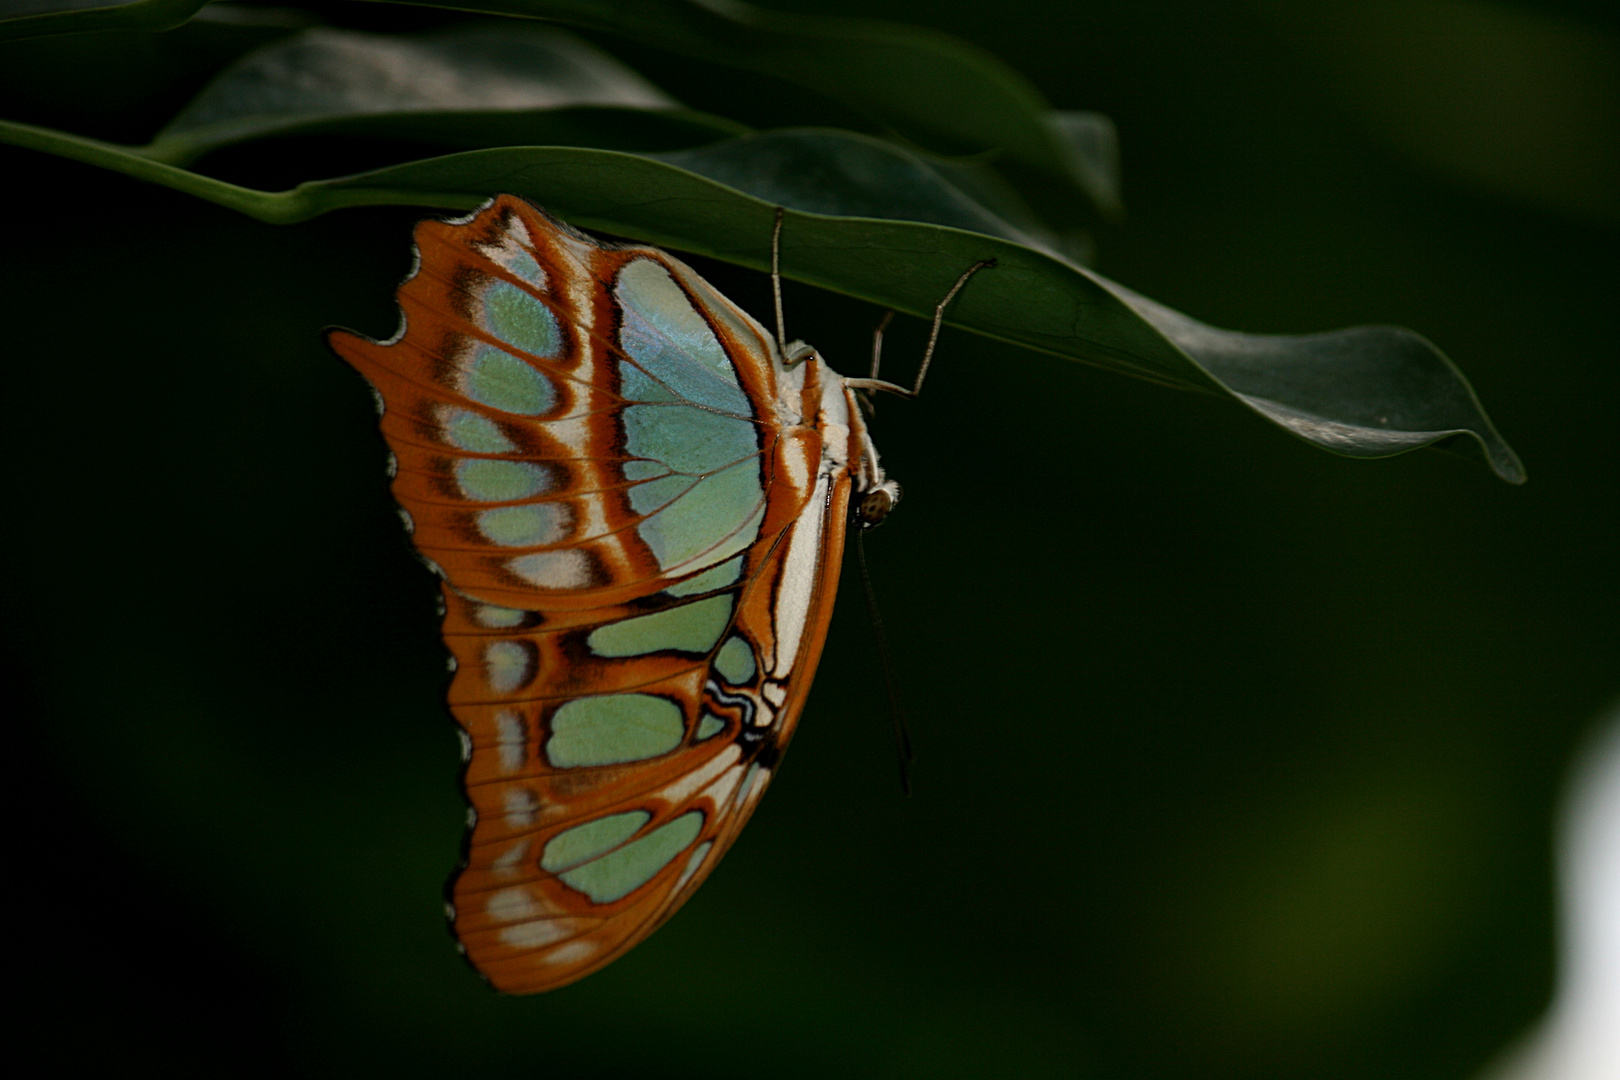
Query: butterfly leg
point(776, 279)
point(875, 383)
point(877, 359)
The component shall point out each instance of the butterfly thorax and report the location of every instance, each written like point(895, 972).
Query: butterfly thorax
point(846, 442)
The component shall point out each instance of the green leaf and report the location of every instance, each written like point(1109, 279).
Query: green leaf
point(43, 18)
point(462, 88)
point(485, 85)
point(924, 86)
point(841, 174)
point(880, 225)
point(927, 87)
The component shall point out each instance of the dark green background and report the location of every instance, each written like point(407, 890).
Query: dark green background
point(1236, 759)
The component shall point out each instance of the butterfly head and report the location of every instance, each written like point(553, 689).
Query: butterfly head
point(798, 352)
point(875, 505)
point(875, 494)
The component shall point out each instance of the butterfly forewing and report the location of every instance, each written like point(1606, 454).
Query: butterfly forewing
point(623, 490)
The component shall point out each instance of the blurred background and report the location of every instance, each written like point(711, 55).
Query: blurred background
point(1235, 759)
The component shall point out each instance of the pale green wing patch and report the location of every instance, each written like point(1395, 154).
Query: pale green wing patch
point(486, 480)
point(692, 627)
point(591, 840)
point(503, 381)
point(735, 663)
point(624, 870)
point(467, 430)
point(671, 341)
point(526, 526)
point(520, 319)
point(611, 728)
point(717, 577)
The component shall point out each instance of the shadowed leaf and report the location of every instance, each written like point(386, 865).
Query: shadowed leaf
point(43, 18)
point(935, 90)
point(462, 88)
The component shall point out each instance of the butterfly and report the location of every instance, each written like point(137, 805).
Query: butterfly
point(636, 499)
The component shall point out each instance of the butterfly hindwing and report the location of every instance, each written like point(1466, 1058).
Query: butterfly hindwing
point(623, 490)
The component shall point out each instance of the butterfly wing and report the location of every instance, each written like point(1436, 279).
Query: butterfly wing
point(627, 498)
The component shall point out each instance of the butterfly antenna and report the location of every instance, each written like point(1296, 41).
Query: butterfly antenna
point(902, 736)
point(939, 316)
point(875, 383)
point(776, 281)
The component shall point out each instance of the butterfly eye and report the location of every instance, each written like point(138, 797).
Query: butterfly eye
point(798, 352)
point(874, 507)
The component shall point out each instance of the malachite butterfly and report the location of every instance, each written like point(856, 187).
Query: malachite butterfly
point(636, 498)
